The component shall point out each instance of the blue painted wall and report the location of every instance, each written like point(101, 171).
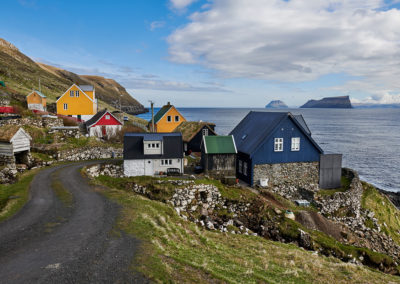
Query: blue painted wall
point(287, 129)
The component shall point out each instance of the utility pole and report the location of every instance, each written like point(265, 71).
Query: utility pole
point(152, 115)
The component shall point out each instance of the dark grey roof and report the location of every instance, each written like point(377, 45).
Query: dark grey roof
point(172, 145)
point(256, 127)
point(86, 88)
point(302, 122)
point(95, 118)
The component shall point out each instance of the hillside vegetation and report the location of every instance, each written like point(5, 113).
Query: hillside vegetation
point(22, 74)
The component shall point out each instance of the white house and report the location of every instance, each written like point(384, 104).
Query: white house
point(15, 144)
point(148, 154)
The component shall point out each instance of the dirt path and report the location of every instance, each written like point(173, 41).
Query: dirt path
point(49, 241)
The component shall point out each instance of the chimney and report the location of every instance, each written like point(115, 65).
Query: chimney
point(168, 104)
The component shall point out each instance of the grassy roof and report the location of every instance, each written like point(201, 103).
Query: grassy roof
point(190, 128)
point(7, 132)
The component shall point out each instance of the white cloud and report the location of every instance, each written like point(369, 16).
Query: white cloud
point(181, 4)
point(294, 41)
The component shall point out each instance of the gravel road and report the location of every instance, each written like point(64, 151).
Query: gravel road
point(50, 241)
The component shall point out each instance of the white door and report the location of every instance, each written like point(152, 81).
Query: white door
point(148, 168)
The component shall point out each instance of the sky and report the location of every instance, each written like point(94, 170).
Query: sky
point(218, 53)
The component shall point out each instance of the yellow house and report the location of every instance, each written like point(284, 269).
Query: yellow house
point(36, 101)
point(78, 101)
point(167, 119)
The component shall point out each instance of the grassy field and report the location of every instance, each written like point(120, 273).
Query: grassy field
point(14, 196)
point(387, 214)
point(175, 250)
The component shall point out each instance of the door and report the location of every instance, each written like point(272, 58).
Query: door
point(148, 168)
point(103, 130)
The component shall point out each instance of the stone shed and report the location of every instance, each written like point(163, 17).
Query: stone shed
point(15, 145)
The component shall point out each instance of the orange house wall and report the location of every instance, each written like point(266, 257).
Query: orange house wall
point(34, 98)
point(164, 126)
point(76, 106)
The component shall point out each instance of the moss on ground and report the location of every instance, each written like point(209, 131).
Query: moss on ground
point(345, 182)
point(14, 196)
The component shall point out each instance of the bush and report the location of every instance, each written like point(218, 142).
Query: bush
point(69, 121)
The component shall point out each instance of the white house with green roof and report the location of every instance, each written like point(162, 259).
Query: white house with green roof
point(218, 155)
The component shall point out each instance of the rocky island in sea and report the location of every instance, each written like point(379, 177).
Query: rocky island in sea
point(276, 104)
point(330, 102)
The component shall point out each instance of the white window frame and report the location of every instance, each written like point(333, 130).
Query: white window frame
point(240, 166)
point(295, 144)
point(245, 168)
point(205, 132)
point(166, 162)
point(107, 116)
point(169, 118)
point(177, 118)
point(71, 93)
point(77, 93)
point(65, 106)
point(278, 144)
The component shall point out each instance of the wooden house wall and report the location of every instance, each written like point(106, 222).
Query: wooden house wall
point(194, 145)
point(21, 143)
point(265, 154)
point(6, 149)
point(220, 163)
point(244, 158)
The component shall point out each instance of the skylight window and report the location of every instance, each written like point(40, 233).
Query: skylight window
point(244, 136)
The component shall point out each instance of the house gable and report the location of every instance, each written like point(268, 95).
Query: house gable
point(163, 125)
point(286, 129)
point(82, 105)
point(101, 119)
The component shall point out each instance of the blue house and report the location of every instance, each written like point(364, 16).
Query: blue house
point(276, 148)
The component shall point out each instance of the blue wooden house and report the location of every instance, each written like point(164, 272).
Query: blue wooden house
point(276, 148)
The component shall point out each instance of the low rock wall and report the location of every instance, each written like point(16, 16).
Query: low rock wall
point(6, 160)
point(38, 122)
point(288, 174)
point(88, 154)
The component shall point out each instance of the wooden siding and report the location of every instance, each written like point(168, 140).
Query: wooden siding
point(194, 145)
point(6, 149)
point(81, 105)
point(164, 126)
point(265, 153)
point(248, 176)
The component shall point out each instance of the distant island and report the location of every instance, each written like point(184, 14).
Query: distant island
point(331, 102)
point(276, 104)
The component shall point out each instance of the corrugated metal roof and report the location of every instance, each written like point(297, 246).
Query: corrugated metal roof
point(302, 122)
point(161, 113)
point(219, 145)
point(86, 88)
point(254, 128)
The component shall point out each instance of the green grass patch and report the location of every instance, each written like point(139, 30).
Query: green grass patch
point(14, 196)
point(62, 194)
point(386, 213)
point(83, 141)
point(176, 251)
point(41, 156)
point(345, 182)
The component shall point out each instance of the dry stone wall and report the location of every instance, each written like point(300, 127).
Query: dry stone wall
point(38, 122)
point(288, 174)
point(88, 154)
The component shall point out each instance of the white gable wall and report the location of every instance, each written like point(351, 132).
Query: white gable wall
point(143, 167)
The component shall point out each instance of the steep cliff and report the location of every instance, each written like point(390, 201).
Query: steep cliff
point(331, 102)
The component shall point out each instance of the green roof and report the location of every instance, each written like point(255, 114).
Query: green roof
point(161, 113)
point(39, 93)
point(2, 84)
point(219, 145)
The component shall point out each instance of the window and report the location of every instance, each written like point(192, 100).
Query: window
point(107, 116)
point(157, 145)
point(77, 94)
point(176, 118)
point(244, 136)
point(169, 119)
point(71, 93)
point(149, 145)
point(295, 143)
point(245, 168)
point(240, 166)
point(65, 106)
point(205, 132)
point(153, 145)
point(166, 162)
point(278, 144)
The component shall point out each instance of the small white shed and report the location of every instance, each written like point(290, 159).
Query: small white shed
point(15, 142)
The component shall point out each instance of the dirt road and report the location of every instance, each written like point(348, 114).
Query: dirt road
point(54, 241)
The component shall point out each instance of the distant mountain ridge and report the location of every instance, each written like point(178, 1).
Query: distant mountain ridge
point(22, 75)
point(276, 104)
point(330, 102)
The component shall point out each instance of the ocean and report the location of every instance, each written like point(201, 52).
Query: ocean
point(369, 139)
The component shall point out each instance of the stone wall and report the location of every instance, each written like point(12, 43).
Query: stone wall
point(111, 170)
point(5, 160)
point(37, 121)
point(67, 132)
point(88, 154)
point(288, 174)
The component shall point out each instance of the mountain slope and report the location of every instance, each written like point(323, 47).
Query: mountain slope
point(276, 104)
point(22, 74)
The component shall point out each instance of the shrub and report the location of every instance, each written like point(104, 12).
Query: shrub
point(69, 121)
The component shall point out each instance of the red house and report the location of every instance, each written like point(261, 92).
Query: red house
point(103, 124)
